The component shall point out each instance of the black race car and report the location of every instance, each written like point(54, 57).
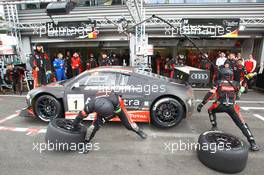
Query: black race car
point(148, 97)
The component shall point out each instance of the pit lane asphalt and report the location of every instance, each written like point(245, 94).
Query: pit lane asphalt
point(121, 151)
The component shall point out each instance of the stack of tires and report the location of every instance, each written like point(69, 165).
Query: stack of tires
point(228, 154)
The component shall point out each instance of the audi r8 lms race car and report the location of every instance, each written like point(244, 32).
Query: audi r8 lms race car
point(148, 97)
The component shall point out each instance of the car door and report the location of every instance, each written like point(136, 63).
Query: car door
point(132, 90)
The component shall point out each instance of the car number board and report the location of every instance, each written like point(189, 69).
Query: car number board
point(75, 102)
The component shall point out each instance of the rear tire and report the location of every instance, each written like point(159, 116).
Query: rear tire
point(166, 112)
point(59, 132)
point(47, 107)
point(230, 159)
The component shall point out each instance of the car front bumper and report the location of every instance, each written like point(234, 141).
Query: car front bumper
point(27, 112)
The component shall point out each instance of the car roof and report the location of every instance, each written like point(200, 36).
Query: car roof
point(119, 69)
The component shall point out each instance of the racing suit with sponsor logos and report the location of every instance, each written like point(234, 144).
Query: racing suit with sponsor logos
point(106, 106)
point(39, 63)
point(59, 66)
point(226, 95)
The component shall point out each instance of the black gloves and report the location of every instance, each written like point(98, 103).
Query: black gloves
point(199, 107)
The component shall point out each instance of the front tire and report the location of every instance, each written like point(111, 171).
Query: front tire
point(47, 107)
point(167, 112)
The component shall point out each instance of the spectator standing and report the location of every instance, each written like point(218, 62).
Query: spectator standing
point(250, 64)
point(160, 65)
point(75, 64)
point(238, 57)
point(104, 60)
point(91, 62)
point(48, 67)
point(181, 60)
point(239, 71)
point(15, 76)
point(114, 60)
point(39, 64)
point(221, 60)
point(232, 60)
point(68, 64)
point(59, 67)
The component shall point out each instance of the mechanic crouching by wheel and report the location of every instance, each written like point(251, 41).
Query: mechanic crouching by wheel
point(226, 94)
point(106, 106)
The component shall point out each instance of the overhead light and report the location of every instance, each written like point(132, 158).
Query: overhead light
point(60, 8)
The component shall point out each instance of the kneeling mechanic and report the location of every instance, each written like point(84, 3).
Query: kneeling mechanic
point(106, 106)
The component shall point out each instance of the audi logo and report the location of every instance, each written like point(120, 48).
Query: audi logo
point(198, 76)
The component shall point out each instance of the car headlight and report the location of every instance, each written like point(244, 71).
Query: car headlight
point(28, 97)
point(190, 102)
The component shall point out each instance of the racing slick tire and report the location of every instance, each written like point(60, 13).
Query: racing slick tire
point(231, 158)
point(59, 133)
point(47, 107)
point(166, 112)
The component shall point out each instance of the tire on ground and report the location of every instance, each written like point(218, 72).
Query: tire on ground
point(166, 124)
point(228, 160)
point(57, 104)
point(64, 138)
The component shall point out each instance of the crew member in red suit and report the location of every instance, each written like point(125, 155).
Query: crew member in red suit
point(193, 59)
point(225, 92)
point(168, 67)
point(48, 73)
point(76, 64)
point(160, 65)
point(250, 64)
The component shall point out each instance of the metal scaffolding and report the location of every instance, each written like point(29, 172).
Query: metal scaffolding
point(135, 8)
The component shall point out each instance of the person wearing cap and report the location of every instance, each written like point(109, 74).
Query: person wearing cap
point(226, 91)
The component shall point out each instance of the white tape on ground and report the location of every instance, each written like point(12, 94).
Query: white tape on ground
point(259, 116)
point(22, 96)
point(8, 118)
point(28, 131)
point(248, 108)
point(238, 101)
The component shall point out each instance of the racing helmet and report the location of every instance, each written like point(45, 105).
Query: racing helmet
point(226, 74)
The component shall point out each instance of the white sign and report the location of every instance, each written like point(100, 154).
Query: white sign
point(150, 50)
point(75, 102)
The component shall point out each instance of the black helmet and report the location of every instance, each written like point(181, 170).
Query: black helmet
point(104, 107)
point(226, 74)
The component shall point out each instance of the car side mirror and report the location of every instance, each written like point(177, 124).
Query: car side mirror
point(76, 85)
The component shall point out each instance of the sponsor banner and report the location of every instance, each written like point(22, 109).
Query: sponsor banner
point(227, 28)
point(71, 30)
